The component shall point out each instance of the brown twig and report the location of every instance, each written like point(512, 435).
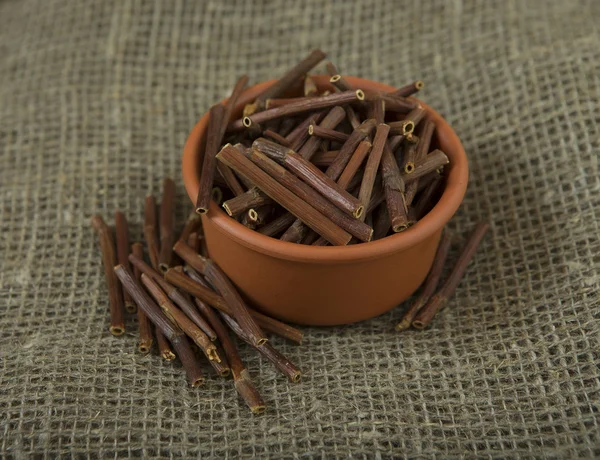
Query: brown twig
point(359, 134)
point(167, 234)
point(160, 321)
point(394, 191)
point(311, 175)
point(122, 240)
point(285, 366)
point(192, 225)
point(333, 118)
point(174, 294)
point(289, 79)
point(299, 135)
point(209, 165)
point(144, 326)
point(216, 301)
point(430, 284)
point(276, 137)
point(164, 348)
point(309, 104)
point(241, 378)
point(278, 225)
point(425, 200)
point(310, 195)
point(329, 134)
point(287, 199)
point(372, 166)
point(381, 223)
point(150, 230)
point(225, 287)
point(180, 319)
point(438, 301)
point(416, 115)
point(109, 260)
point(377, 108)
point(395, 104)
point(253, 198)
point(324, 158)
point(409, 89)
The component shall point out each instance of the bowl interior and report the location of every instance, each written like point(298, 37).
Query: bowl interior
point(454, 190)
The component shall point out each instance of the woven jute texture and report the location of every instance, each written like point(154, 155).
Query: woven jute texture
point(96, 100)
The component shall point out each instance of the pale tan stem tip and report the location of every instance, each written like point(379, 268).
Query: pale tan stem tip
point(227, 210)
point(247, 122)
point(408, 127)
point(168, 355)
point(258, 409)
point(253, 215)
point(359, 211)
point(402, 325)
point(201, 211)
point(360, 95)
point(130, 307)
point(311, 130)
point(261, 342)
point(199, 381)
point(296, 377)
point(213, 355)
point(409, 167)
point(419, 324)
point(419, 85)
point(225, 372)
point(117, 330)
point(335, 78)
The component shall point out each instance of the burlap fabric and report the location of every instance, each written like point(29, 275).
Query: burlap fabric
point(96, 100)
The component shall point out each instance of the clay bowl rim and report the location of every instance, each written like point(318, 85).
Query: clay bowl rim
point(433, 222)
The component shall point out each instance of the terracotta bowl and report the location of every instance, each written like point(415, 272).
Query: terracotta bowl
point(334, 284)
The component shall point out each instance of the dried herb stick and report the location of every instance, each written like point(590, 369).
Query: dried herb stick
point(109, 260)
point(438, 301)
point(430, 284)
point(122, 238)
point(225, 287)
point(167, 231)
point(144, 326)
point(160, 321)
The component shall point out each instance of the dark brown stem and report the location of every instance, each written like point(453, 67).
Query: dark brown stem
point(359, 134)
point(310, 195)
point(430, 284)
point(167, 231)
point(309, 104)
point(381, 223)
point(340, 83)
point(402, 127)
point(310, 174)
point(409, 89)
point(193, 225)
point(144, 326)
point(431, 162)
point(278, 225)
point(320, 223)
point(253, 198)
point(299, 135)
point(276, 137)
point(333, 118)
point(394, 191)
point(296, 232)
point(180, 319)
point(425, 201)
point(324, 158)
point(425, 139)
point(225, 287)
point(372, 166)
point(241, 378)
point(438, 301)
point(416, 115)
point(290, 77)
point(174, 294)
point(164, 348)
point(354, 164)
point(329, 134)
point(209, 164)
point(230, 179)
point(150, 230)
point(208, 296)
point(109, 260)
point(122, 239)
point(395, 104)
point(230, 104)
point(377, 108)
point(168, 329)
point(285, 366)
